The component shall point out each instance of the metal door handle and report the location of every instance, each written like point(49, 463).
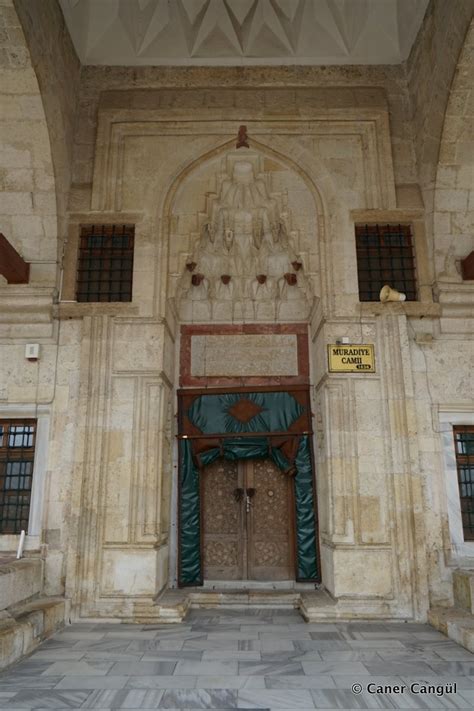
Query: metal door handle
point(249, 493)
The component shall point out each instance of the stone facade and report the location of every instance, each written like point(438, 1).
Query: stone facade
point(333, 146)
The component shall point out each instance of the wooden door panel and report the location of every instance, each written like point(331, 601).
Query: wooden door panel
point(270, 543)
point(241, 541)
point(222, 522)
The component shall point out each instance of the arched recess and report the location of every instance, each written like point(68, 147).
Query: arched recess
point(57, 69)
point(169, 272)
point(454, 206)
point(430, 70)
point(28, 212)
point(176, 241)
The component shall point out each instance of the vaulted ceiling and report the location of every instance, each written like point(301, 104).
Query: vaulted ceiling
point(243, 32)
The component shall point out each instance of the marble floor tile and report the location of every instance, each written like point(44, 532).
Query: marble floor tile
point(124, 699)
point(253, 659)
point(405, 655)
point(166, 628)
point(332, 636)
point(285, 656)
point(81, 668)
point(275, 699)
point(212, 655)
point(171, 644)
point(31, 667)
point(290, 634)
point(429, 701)
point(299, 656)
point(141, 668)
point(161, 682)
point(76, 636)
point(199, 699)
point(112, 656)
point(276, 645)
point(346, 699)
point(103, 645)
point(10, 681)
point(212, 644)
point(263, 669)
point(322, 644)
point(59, 655)
point(230, 682)
point(206, 668)
point(232, 635)
point(47, 698)
point(332, 668)
point(400, 668)
point(455, 654)
point(450, 668)
point(169, 655)
point(345, 681)
point(121, 634)
point(299, 682)
point(462, 682)
point(376, 644)
point(92, 682)
point(277, 629)
point(345, 656)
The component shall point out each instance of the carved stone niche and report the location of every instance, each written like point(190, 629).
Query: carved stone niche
point(243, 265)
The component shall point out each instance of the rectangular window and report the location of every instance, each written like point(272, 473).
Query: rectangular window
point(17, 452)
point(385, 256)
point(464, 446)
point(105, 264)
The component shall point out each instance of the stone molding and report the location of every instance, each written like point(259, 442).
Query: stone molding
point(27, 312)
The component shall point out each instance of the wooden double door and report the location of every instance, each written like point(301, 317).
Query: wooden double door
point(247, 521)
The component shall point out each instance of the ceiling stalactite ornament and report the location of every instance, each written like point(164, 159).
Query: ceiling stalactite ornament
point(244, 265)
point(243, 32)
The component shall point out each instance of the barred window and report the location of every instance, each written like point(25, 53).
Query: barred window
point(17, 452)
point(464, 446)
point(105, 264)
point(385, 256)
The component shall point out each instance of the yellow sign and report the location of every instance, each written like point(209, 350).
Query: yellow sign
point(351, 358)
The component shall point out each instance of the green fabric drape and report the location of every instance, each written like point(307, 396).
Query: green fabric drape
point(305, 524)
point(245, 448)
point(212, 414)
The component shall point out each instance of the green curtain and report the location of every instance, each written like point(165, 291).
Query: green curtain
point(243, 448)
point(275, 412)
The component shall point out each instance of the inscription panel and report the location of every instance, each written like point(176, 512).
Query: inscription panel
point(244, 355)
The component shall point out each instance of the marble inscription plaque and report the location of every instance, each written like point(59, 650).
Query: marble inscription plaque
point(244, 355)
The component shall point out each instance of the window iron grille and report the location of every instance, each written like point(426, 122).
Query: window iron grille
point(464, 446)
point(17, 450)
point(105, 264)
point(385, 256)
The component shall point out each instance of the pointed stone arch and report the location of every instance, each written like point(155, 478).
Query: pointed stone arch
point(318, 200)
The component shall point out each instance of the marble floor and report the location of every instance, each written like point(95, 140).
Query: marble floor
point(246, 659)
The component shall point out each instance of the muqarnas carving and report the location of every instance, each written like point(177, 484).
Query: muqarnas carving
point(243, 266)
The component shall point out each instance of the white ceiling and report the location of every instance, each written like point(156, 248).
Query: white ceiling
point(243, 32)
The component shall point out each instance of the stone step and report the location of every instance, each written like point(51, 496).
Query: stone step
point(463, 590)
point(456, 623)
point(23, 627)
point(19, 580)
point(173, 605)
